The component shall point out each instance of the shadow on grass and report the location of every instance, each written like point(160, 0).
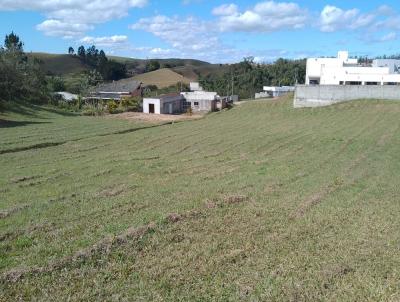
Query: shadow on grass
point(31, 110)
point(11, 124)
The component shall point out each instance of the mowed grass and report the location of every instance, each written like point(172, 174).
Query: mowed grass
point(36, 126)
point(259, 203)
point(162, 78)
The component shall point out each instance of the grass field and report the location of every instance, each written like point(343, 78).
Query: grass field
point(162, 78)
point(259, 203)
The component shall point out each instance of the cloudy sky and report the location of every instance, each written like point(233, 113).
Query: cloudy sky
point(211, 30)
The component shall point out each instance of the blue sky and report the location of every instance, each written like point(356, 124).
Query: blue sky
point(211, 30)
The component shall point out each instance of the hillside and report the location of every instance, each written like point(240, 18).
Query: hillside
point(64, 64)
point(193, 72)
point(162, 78)
point(56, 64)
point(259, 203)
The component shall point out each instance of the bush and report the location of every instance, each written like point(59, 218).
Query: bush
point(112, 107)
point(93, 110)
point(130, 103)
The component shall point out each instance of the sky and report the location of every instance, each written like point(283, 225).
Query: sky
point(211, 30)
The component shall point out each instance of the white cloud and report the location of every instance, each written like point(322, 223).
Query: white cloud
point(369, 26)
point(389, 37)
point(225, 10)
point(63, 15)
point(161, 51)
point(112, 41)
point(385, 10)
point(62, 29)
point(333, 18)
point(265, 16)
point(188, 34)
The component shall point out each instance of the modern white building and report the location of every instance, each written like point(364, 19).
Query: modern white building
point(345, 71)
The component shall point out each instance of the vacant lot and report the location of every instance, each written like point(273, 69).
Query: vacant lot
point(262, 202)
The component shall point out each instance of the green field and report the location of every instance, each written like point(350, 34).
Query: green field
point(259, 203)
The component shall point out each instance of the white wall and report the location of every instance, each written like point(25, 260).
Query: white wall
point(324, 95)
point(156, 102)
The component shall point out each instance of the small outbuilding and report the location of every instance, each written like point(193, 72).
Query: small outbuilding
point(164, 104)
point(200, 100)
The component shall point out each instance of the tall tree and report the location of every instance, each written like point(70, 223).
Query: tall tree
point(20, 76)
point(71, 50)
point(82, 52)
point(13, 43)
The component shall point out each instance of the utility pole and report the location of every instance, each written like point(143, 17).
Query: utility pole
point(232, 83)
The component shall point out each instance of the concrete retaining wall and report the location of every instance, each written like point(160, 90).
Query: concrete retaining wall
point(325, 95)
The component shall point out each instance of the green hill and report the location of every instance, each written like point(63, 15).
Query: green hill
point(193, 72)
point(64, 64)
point(56, 64)
point(162, 78)
point(262, 202)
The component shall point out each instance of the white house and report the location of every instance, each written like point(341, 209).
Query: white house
point(273, 91)
point(197, 99)
point(164, 104)
point(345, 71)
point(200, 100)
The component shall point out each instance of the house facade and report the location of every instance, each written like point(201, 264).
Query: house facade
point(343, 70)
point(200, 100)
point(164, 104)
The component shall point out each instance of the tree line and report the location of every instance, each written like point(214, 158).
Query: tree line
point(96, 59)
point(246, 78)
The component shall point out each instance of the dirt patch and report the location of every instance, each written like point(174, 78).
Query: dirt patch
point(22, 179)
point(313, 200)
point(112, 192)
point(337, 271)
point(102, 172)
point(235, 199)
point(9, 212)
point(151, 118)
point(174, 217)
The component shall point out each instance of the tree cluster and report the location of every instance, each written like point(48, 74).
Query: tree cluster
point(109, 70)
point(246, 78)
point(152, 65)
point(21, 77)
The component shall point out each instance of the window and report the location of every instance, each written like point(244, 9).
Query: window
point(196, 103)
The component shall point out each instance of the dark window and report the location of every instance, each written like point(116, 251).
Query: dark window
point(196, 103)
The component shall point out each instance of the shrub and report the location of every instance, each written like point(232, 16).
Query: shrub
point(93, 110)
point(130, 103)
point(112, 107)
